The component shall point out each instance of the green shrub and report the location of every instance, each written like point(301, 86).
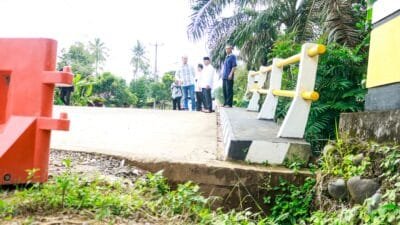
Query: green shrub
point(293, 203)
point(380, 161)
point(239, 87)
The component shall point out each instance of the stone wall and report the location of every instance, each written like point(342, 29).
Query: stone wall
point(379, 126)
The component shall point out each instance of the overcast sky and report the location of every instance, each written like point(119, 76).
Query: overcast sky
point(118, 23)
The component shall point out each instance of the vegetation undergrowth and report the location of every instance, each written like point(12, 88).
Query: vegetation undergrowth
point(378, 162)
point(151, 199)
point(292, 203)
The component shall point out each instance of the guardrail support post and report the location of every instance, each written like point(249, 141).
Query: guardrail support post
point(255, 97)
point(268, 108)
point(296, 118)
point(255, 83)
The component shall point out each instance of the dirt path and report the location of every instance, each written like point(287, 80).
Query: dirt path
point(91, 164)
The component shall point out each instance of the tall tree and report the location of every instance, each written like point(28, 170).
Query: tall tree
point(139, 61)
point(113, 90)
point(253, 27)
point(79, 58)
point(100, 53)
point(141, 88)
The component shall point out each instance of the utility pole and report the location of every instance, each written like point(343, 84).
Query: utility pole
point(156, 45)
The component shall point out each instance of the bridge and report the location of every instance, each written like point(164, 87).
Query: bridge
point(185, 145)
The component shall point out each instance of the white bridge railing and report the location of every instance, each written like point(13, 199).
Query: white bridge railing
point(296, 118)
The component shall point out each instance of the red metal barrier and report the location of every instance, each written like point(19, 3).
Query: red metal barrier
point(27, 81)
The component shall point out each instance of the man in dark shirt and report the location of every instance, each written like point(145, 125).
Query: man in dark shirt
point(65, 94)
point(228, 75)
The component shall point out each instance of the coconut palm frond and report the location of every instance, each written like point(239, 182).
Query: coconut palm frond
point(205, 12)
point(339, 22)
point(218, 52)
point(308, 21)
point(225, 26)
point(256, 38)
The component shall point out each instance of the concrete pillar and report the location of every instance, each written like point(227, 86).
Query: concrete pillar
point(383, 78)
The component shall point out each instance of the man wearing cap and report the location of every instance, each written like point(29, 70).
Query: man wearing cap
point(228, 75)
point(185, 74)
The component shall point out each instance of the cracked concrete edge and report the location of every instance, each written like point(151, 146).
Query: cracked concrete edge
point(216, 173)
point(230, 182)
point(220, 137)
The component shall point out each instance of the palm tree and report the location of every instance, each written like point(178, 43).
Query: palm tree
point(139, 61)
point(253, 27)
point(99, 51)
point(255, 24)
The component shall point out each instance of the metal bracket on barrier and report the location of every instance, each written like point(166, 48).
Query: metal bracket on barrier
point(54, 77)
point(45, 123)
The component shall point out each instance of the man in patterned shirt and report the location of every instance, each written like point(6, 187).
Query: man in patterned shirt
point(185, 74)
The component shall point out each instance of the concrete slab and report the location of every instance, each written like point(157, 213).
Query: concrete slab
point(144, 134)
point(247, 138)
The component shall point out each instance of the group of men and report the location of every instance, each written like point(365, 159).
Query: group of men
point(198, 85)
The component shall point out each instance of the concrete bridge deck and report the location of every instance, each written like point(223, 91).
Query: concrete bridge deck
point(144, 134)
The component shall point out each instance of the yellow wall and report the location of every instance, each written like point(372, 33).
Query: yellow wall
point(384, 54)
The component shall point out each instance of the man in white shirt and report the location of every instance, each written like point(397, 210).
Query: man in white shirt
point(206, 83)
point(185, 74)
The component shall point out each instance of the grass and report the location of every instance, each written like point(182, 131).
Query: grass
point(149, 198)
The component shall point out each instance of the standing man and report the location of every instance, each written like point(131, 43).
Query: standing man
point(185, 74)
point(65, 94)
point(206, 83)
point(228, 76)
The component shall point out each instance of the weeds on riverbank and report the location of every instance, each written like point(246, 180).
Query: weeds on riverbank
point(380, 162)
point(149, 198)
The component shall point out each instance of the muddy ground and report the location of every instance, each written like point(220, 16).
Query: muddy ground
point(90, 164)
